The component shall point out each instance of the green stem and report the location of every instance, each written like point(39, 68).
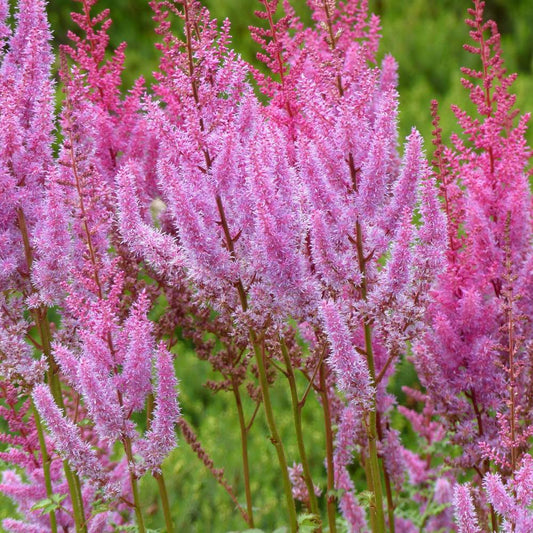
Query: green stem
point(244, 451)
point(370, 486)
point(388, 485)
point(297, 416)
point(331, 499)
point(163, 494)
point(259, 350)
point(164, 501)
point(75, 496)
point(46, 467)
point(376, 507)
point(134, 486)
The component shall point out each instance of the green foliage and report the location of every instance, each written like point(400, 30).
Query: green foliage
point(409, 506)
point(49, 504)
point(195, 496)
point(307, 523)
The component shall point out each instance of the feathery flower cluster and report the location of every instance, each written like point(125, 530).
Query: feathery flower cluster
point(286, 235)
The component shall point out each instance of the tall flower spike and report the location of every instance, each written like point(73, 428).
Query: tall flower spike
point(351, 370)
point(4, 28)
point(90, 55)
point(101, 399)
point(66, 437)
point(26, 114)
point(135, 379)
point(465, 513)
point(485, 190)
point(512, 500)
point(413, 169)
point(161, 438)
point(375, 170)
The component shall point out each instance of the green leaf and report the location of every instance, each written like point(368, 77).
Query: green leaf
point(308, 523)
point(365, 498)
point(336, 493)
point(49, 504)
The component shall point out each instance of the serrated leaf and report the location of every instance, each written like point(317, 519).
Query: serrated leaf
point(308, 523)
point(49, 504)
point(365, 498)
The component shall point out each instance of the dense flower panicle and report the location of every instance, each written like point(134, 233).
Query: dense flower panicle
point(26, 113)
point(350, 368)
point(340, 24)
point(465, 513)
point(79, 219)
point(51, 268)
point(413, 170)
point(136, 376)
point(94, 77)
point(161, 437)
point(201, 236)
point(66, 437)
point(95, 385)
point(512, 499)
point(278, 256)
point(158, 249)
point(114, 362)
point(375, 169)
point(17, 364)
point(5, 31)
point(181, 82)
point(398, 267)
point(432, 233)
point(89, 54)
point(463, 359)
point(268, 38)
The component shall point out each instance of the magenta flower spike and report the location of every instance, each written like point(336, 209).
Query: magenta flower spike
point(464, 510)
point(66, 437)
point(26, 113)
point(161, 437)
point(472, 358)
point(350, 368)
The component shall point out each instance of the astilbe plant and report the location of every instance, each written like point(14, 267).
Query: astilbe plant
point(284, 212)
point(65, 260)
point(284, 234)
point(474, 359)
